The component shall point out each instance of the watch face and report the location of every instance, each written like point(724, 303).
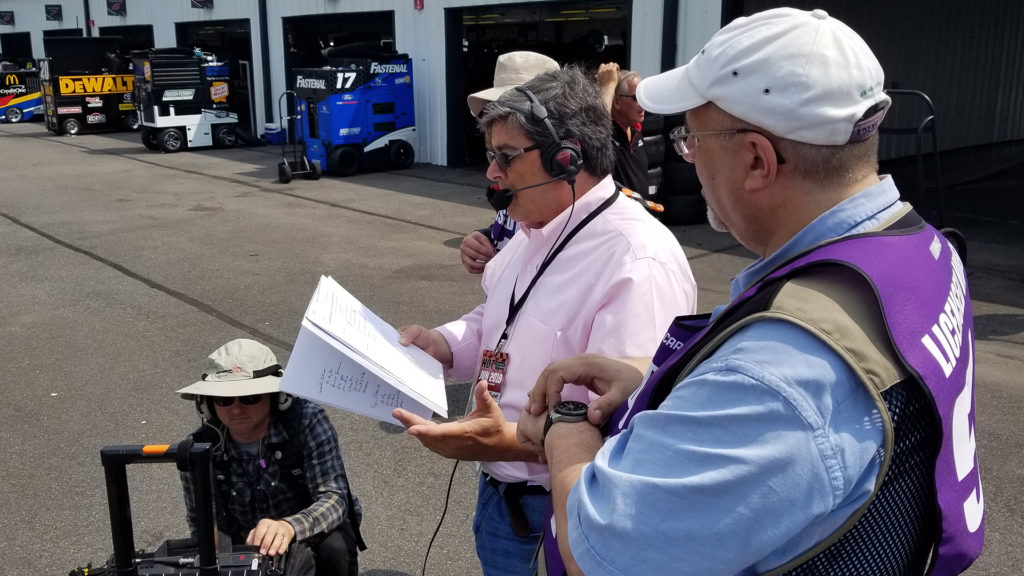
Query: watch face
point(571, 408)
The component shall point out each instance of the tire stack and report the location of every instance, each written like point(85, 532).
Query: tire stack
point(679, 189)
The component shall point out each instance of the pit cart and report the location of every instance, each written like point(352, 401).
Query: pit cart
point(204, 555)
point(20, 95)
point(357, 113)
point(183, 100)
point(86, 86)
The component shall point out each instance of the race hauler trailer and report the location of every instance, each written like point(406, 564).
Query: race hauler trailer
point(86, 85)
point(183, 100)
point(356, 113)
point(20, 95)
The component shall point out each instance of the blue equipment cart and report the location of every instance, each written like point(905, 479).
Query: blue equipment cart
point(357, 113)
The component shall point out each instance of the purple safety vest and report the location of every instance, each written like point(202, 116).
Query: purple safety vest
point(921, 286)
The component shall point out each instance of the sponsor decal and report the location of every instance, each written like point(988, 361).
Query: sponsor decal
point(403, 79)
point(13, 90)
point(172, 95)
point(54, 13)
point(116, 8)
point(219, 91)
point(93, 101)
point(96, 118)
point(347, 97)
point(349, 131)
point(311, 83)
point(100, 84)
point(69, 110)
point(147, 71)
point(11, 79)
point(127, 97)
point(376, 68)
point(126, 106)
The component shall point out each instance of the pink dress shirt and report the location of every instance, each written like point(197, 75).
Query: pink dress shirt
point(613, 290)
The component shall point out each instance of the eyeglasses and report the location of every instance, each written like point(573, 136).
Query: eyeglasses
point(505, 158)
point(685, 147)
point(245, 400)
point(630, 96)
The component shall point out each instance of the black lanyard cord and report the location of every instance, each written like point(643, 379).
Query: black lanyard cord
point(514, 306)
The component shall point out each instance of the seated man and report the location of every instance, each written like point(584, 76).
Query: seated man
point(823, 421)
point(278, 477)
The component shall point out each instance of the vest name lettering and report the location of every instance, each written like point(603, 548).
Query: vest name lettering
point(948, 328)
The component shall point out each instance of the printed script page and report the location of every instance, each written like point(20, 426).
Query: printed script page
point(348, 357)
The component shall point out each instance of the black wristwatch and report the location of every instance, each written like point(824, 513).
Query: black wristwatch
point(567, 411)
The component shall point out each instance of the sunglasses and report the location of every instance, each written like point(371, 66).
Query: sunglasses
point(245, 400)
point(503, 159)
point(630, 96)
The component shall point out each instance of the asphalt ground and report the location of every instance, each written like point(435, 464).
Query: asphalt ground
point(123, 268)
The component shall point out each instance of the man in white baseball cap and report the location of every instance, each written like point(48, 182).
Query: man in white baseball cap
point(279, 480)
point(798, 430)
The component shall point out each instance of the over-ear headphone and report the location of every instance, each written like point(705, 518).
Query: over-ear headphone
point(204, 405)
point(561, 158)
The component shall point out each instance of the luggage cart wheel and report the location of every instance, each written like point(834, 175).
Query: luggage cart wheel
point(284, 173)
point(314, 170)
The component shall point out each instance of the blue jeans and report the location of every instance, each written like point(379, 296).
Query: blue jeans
point(501, 551)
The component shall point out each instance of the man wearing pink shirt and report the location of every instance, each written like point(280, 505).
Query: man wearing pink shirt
point(591, 272)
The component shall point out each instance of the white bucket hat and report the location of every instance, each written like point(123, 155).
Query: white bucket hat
point(241, 367)
point(801, 75)
point(512, 69)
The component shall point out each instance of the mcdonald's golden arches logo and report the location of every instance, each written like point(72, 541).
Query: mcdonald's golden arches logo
point(11, 79)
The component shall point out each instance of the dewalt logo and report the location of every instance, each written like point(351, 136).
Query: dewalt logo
point(102, 84)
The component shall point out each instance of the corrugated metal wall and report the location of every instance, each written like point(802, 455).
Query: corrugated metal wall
point(968, 57)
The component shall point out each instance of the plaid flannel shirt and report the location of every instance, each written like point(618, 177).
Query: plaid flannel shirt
point(257, 492)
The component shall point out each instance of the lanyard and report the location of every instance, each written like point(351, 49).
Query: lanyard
point(515, 306)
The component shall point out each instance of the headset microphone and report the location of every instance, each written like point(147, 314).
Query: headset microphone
point(499, 199)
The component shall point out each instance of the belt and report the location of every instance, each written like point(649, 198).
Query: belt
point(512, 493)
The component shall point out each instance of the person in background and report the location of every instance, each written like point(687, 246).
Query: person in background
point(618, 88)
point(511, 69)
point(279, 480)
point(823, 421)
point(589, 271)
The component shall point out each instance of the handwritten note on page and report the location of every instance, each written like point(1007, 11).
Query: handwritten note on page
point(347, 357)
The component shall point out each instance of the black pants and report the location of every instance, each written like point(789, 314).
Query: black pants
point(337, 554)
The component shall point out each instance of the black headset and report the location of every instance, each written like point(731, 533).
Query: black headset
point(561, 158)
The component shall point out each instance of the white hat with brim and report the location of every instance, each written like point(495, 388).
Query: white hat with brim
point(801, 75)
point(512, 69)
point(241, 367)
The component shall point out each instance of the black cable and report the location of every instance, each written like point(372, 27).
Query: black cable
point(440, 521)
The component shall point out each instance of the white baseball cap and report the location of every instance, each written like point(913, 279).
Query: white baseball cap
point(512, 69)
point(800, 75)
point(241, 367)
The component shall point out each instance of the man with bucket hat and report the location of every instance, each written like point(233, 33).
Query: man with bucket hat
point(823, 421)
point(279, 480)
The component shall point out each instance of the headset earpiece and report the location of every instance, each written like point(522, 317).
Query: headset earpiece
point(561, 158)
point(284, 401)
point(204, 408)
